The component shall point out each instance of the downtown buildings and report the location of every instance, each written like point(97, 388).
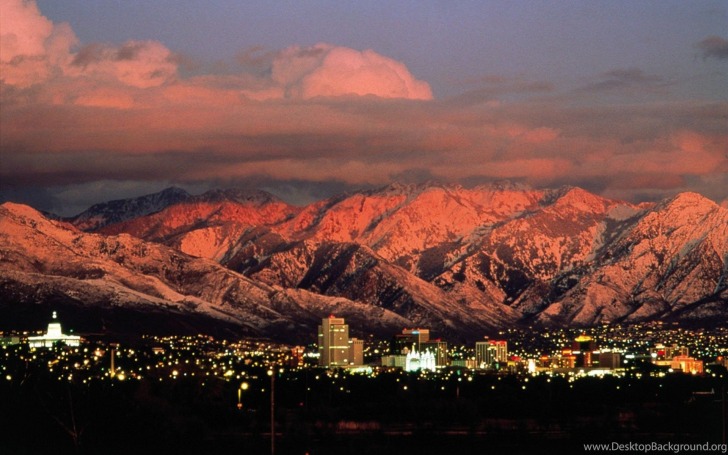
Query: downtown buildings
point(334, 346)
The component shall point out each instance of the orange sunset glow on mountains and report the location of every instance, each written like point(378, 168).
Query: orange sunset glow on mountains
point(363, 227)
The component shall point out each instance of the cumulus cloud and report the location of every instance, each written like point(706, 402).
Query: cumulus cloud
point(714, 47)
point(343, 71)
point(34, 50)
point(31, 46)
point(325, 70)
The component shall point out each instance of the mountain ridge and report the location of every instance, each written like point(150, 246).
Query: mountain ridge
point(457, 259)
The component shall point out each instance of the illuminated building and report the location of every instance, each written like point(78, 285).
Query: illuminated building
point(663, 355)
point(54, 335)
point(297, 356)
point(438, 349)
point(662, 352)
point(403, 342)
point(398, 361)
point(583, 349)
point(481, 352)
point(333, 342)
point(419, 361)
point(9, 341)
point(356, 351)
point(566, 360)
point(487, 353)
point(609, 360)
point(687, 364)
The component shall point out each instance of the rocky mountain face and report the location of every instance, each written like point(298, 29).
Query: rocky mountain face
point(99, 215)
point(461, 261)
point(126, 282)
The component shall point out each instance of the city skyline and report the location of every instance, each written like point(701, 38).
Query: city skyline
point(138, 393)
point(625, 99)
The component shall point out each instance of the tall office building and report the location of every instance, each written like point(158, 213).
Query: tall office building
point(356, 351)
point(409, 339)
point(481, 349)
point(333, 342)
point(489, 352)
point(584, 349)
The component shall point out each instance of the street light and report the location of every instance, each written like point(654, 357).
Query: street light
point(244, 386)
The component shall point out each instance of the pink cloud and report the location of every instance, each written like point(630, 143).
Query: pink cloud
point(319, 113)
point(140, 64)
point(31, 46)
point(325, 70)
point(346, 71)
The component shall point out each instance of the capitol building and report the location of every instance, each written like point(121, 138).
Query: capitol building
point(53, 335)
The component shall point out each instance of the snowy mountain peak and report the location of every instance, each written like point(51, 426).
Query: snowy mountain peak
point(445, 256)
point(20, 210)
point(688, 201)
point(100, 215)
point(581, 200)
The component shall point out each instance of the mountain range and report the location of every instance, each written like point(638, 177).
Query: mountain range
point(462, 261)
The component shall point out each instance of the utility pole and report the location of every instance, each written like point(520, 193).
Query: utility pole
point(722, 399)
point(272, 375)
point(112, 371)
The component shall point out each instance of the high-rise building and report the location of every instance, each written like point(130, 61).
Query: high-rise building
point(356, 351)
point(489, 352)
point(584, 349)
point(333, 342)
point(409, 339)
point(662, 352)
point(609, 360)
point(481, 349)
point(297, 353)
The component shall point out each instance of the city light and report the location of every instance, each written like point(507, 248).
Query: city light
point(277, 382)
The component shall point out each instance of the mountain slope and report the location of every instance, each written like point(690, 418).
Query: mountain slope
point(207, 225)
point(461, 261)
point(671, 264)
point(43, 259)
point(515, 253)
point(100, 215)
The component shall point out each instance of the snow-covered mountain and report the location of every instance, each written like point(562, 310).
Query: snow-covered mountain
point(47, 263)
point(459, 260)
point(671, 263)
point(99, 215)
point(210, 224)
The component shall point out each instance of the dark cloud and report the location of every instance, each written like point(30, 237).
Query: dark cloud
point(714, 47)
point(495, 87)
point(41, 198)
point(129, 51)
point(626, 79)
point(92, 53)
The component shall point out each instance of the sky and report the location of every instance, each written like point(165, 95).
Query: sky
point(110, 99)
